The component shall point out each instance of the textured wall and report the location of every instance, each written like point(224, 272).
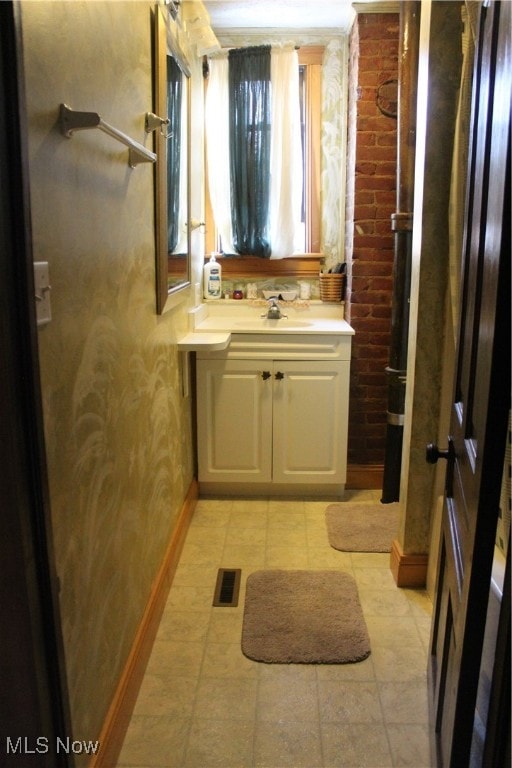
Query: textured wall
point(428, 362)
point(118, 431)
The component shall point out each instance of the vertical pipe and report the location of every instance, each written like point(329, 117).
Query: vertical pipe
point(401, 225)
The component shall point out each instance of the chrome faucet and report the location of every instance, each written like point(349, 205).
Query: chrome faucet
point(274, 310)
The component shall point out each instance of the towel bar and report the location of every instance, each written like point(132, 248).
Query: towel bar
point(73, 120)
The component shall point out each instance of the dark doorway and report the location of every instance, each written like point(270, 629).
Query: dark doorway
point(33, 700)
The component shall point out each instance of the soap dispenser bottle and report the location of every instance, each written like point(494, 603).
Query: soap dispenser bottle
point(212, 279)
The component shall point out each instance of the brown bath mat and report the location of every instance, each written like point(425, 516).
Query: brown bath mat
point(303, 617)
point(362, 527)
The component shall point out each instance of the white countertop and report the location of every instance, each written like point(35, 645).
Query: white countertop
point(212, 324)
point(210, 341)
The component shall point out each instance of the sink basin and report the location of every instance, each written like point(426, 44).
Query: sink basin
point(263, 322)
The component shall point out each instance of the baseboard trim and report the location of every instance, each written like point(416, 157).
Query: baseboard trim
point(365, 477)
point(119, 714)
point(408, 570)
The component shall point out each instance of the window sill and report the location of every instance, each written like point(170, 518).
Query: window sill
point(306, 265)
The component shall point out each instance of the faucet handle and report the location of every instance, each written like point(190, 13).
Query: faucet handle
point(274, 310)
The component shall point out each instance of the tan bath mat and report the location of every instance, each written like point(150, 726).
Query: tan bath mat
point(303, 617)
point(362, 527)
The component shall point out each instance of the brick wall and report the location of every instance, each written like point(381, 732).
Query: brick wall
point(368, 298)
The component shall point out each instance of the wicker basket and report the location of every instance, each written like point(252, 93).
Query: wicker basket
point(331, 286)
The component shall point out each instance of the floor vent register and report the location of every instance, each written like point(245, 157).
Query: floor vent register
point(227, 587)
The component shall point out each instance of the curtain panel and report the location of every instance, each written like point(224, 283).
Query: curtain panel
point(249, 137)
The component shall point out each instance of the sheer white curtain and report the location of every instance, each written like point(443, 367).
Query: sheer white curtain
point(217, 148)
point(286, 150)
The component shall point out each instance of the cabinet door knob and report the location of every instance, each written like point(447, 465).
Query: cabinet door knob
point(265, 375)
point(279, 375)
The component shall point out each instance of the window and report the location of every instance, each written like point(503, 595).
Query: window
point(310, 77)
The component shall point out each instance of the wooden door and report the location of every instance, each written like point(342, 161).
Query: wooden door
point(310, 421)
point(476, 445)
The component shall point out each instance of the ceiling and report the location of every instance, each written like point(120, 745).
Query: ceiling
point(284, 14)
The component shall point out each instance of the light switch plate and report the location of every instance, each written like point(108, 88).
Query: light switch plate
point(42, 292)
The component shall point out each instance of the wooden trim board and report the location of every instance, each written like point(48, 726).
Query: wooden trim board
point(307, 265)
point(120, 711)
point(364, 477)
point(408, 570)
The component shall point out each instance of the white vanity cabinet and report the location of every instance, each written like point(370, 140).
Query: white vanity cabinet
point(272, 416)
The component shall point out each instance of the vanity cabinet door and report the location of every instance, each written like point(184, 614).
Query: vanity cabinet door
point(310, 421)
point(234, 420)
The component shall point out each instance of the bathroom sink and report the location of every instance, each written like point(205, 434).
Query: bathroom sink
point(283, 324)
point(221, 324)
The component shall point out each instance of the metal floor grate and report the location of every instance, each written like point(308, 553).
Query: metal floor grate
point(227, 587)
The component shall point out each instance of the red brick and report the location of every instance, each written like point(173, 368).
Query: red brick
point(377, 63)
point(387, 139)
point(370, 324)
point(388, 168)
point(366, 168)
point(367, 109)
point(371, 268)
point(364, 196)
point(367, 139)
point(373, 154)
point(378, 26)
point(378, 183)
point(378, 244)
point(366, 227)
point(387, 48)
point(376, 121)
point(381, 311)
point(361, 310)
point(377, 364)
point(365, 212)
point(382, 284)
point(383, 226)
point(374, 79)
point(377, 418)
point(386, 196)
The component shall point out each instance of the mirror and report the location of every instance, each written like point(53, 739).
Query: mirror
point(172, 104)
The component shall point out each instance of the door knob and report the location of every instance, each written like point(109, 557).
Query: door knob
point(279, 375)
point(265, 375)
point(433, 454)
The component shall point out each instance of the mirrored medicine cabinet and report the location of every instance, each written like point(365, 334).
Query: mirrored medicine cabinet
point(172, 173)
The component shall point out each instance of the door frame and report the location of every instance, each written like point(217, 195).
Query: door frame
point(34, 708)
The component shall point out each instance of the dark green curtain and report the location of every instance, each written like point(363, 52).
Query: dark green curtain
point(174, 96)
point(249, 135)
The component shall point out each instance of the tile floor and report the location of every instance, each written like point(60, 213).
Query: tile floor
point(203, 704)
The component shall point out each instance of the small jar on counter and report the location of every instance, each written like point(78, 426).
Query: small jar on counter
point(252, 291)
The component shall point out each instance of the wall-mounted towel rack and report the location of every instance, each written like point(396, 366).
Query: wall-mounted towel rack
point(72, 120)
